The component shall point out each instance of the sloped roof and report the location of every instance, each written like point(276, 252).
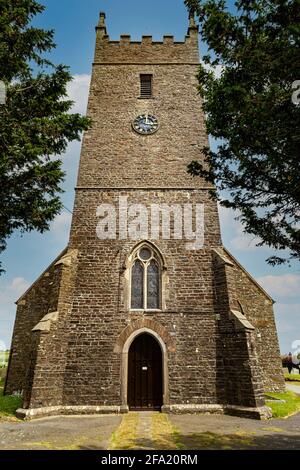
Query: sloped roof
point(249, 275)
point(43, 273)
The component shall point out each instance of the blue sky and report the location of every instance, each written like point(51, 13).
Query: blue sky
point(25, 257)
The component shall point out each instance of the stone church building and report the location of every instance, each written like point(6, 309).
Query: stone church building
point(136, 320)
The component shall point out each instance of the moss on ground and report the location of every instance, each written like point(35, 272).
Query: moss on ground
point(164, 434)
point(76, 444)
point(272, 428)
point(124, 438)
point(215, 441)
point(288, 407)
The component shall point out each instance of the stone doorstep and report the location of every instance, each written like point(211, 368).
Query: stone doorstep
point(262, 413)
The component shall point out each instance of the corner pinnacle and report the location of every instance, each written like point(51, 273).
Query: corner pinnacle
point(102, 20)
point(101, 27)
point(193, 27)
point(192, 20)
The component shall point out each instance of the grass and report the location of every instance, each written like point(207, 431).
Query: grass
point(290, 406)
point(292, 377)
point(124, 438)
point(164, 434)
point(77, 444)
point(8, 404)
point(2, 374)
point(4, 356)
point(215, 441)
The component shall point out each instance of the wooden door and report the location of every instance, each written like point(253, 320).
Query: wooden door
point(145, 374)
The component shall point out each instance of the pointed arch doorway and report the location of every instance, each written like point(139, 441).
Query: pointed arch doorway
point(145, 374)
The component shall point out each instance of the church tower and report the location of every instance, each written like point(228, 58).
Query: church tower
point(145, 309)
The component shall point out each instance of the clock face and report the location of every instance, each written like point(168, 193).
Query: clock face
point(145, 124)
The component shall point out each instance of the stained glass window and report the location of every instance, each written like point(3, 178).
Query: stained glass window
point(152, 286)
point(145, 280)
point(145, 254)
point(137, 285)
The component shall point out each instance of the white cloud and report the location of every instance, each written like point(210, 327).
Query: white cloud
point(238, 239)
point(285, 285)
point(60, 227)
point(288, 325)
point(217, 69)
point(285, 309)
point(226, 216)
point(19, 285)
point(10, 291)
point(78, 91)
point(244, 241)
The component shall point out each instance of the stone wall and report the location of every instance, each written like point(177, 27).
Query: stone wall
point(146, 51)
point(45, 384)
point(240, 372)
point(257, 307)
point(115, 156)
point(40, 299)
point(212, 357)
point(101, 310)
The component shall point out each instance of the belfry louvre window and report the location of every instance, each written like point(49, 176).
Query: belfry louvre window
point(145, 280)
point(146, 86)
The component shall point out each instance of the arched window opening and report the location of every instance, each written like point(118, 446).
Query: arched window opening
point(146, 280)
point(137, 291)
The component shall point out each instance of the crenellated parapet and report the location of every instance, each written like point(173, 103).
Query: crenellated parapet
point(166, 51)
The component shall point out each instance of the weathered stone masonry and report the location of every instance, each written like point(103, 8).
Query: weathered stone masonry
point(74, 326)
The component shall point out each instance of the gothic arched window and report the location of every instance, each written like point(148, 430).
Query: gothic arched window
point(145, 280)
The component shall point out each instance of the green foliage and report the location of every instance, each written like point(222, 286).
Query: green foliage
point(35, 123)
point(292, 377)
point(8, 404)
point(4, 356)
point(3, 371)
point(249, 109)
point(290, 405)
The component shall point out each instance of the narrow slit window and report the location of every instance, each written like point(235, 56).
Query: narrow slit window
point(137, 280)
point(152, 286)
point(146, 86)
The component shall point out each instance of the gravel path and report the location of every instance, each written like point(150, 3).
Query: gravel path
point(59, 433)
point(192, 431)
point(228, 432)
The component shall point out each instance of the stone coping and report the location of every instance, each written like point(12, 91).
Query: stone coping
point(33, 413)
point(262, 412)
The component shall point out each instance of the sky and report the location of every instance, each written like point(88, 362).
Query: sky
point(27, 256)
